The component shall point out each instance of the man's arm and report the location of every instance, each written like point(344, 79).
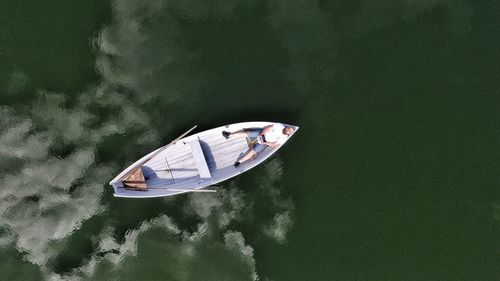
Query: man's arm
point(266, 130)
point(271, 144)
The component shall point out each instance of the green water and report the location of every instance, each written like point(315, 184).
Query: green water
point(392, 176)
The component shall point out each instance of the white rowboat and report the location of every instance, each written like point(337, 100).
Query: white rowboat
point(191, 163)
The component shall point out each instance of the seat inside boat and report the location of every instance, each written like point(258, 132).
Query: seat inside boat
point(199, 159)
point(135, 180)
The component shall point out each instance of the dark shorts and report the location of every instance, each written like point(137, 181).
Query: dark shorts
point(253, 134)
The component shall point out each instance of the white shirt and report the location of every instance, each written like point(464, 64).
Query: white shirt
point(276, 134)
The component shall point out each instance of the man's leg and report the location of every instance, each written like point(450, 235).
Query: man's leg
point(240, 133)
point(245, 133)
point(250, 154)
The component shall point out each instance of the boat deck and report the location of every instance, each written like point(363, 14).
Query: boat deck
point(176, 165)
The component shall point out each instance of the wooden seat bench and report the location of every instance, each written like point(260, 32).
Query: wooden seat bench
point(199, 159)
point(135, 180)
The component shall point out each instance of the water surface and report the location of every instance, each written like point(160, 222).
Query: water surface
point(393, 175)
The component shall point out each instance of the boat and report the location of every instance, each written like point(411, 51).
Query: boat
point(191, 163)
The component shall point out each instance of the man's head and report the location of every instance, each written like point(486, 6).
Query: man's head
point(288, 131)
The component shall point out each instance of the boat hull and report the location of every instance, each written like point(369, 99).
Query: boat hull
point(193, 163)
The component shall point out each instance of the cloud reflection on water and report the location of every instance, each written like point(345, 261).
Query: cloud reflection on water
point(58, 181)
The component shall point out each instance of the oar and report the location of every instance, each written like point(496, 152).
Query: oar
point(191, 190)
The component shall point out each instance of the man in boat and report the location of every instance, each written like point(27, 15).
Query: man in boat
point(272, 135)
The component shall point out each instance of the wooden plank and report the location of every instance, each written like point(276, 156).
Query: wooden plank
point(151, 155)
point(229, 153)
point(135, 179)
point(199, 159)
point(179, 150)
